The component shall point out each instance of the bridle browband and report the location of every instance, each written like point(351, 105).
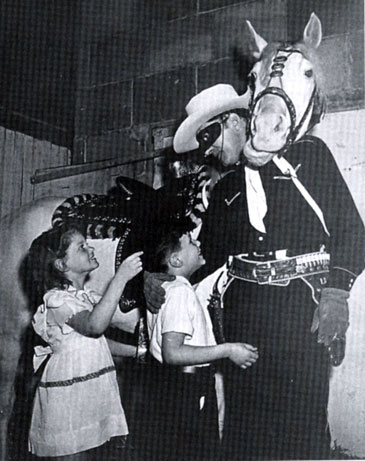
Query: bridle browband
point(277, 69)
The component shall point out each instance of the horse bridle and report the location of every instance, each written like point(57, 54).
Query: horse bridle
point(277, 69)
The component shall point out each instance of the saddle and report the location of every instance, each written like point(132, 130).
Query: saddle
point(131, 212)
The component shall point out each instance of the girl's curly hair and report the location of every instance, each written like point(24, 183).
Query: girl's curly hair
point(44, 251)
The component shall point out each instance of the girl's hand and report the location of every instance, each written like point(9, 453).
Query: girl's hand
point(243, 355)
point(131, 266)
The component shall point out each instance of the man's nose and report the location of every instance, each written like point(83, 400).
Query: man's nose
point(212, 151)
point(208, 152)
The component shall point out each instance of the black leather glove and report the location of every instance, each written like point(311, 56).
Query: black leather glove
point(153, 292)
point(331, 317)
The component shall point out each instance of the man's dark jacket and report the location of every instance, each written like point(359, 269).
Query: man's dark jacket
point(277, 408)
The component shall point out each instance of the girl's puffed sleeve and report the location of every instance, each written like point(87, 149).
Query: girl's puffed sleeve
point(62, 305)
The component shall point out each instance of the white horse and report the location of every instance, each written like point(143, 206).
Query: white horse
point(287, 100)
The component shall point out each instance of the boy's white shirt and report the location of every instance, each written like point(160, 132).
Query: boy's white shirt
point(201, 297)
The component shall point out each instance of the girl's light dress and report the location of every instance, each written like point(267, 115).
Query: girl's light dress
point(77, 403)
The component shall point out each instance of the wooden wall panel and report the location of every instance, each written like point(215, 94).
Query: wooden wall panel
point(28, 170)
point(95, 182)
point(2, 168)
point(20, 156)
point(11, 174)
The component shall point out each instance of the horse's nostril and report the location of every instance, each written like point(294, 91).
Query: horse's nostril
point(279, 126)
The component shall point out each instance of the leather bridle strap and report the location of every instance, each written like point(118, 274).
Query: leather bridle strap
point(277, 72)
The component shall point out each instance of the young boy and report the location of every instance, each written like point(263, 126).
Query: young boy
point(183, 346)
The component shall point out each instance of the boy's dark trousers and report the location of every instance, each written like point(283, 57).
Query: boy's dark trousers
point(183, 414)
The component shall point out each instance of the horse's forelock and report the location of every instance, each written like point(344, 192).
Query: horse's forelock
point(308, 53)
point(266, 59)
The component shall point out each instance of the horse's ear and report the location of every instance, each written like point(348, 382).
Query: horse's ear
point(256, 42)
point(312, 35)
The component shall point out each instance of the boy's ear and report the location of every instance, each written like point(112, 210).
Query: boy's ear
point(175, 261)
point(60, 265)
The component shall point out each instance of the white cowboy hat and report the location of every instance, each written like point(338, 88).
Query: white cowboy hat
point(201, 108)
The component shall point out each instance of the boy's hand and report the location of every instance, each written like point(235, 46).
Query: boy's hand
point(153, 291)
point(243, 355)
point(131, 266)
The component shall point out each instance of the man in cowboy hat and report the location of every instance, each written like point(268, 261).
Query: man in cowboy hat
point(274, 217)
point(208, 112)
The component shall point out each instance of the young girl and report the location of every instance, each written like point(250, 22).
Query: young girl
point(77, 405)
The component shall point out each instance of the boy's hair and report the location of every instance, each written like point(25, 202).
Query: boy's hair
point(44, 251)
point(166, 243)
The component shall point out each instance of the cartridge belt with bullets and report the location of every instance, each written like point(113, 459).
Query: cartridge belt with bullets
point(312, 268)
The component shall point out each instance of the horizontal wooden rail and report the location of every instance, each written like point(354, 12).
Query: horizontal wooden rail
point(49, 174)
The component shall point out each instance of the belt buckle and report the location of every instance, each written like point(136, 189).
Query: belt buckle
point(264, 272)
point(274, 272)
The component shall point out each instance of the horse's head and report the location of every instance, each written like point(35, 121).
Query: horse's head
point(286, 99)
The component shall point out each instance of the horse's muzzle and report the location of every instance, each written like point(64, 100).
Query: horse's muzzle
point(270, 124)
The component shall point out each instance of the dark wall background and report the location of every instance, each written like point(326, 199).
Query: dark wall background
point(110, 78)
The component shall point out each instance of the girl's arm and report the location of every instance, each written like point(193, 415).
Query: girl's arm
point(94, 323)
point(175, 352)
point(118, 349)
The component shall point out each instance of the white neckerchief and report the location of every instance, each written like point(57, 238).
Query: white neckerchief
point(256, 199)
point(285, 167)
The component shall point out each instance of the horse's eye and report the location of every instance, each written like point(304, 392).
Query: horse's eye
point(309, 73)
